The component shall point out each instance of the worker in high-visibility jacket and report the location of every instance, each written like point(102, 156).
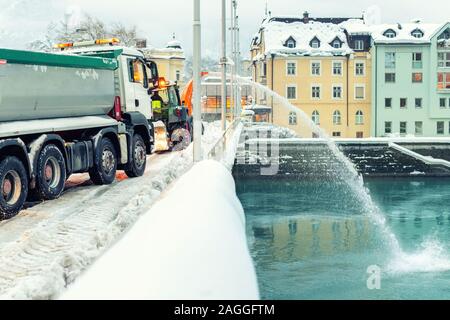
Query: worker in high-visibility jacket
point(156, 102)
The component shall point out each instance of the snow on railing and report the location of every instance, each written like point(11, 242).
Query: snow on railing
point(225, 148)
point(425, 159)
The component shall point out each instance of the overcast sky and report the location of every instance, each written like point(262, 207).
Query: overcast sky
point(23, 20)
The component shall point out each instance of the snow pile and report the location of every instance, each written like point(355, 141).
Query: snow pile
point(275, 131)
point(190, 245)
point(277, 33)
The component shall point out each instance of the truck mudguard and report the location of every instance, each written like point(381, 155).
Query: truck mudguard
point(136, 122)
point(36, 146)
point(16, 147)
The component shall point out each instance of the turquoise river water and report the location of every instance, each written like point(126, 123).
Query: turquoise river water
point(309, 239)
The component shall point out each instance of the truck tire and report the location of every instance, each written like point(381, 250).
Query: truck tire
point(180, 138)
point(139, 157)
point(50, 173)
point(13, 187)
point(105, 163)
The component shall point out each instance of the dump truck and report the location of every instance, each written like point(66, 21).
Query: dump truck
point(87, 109)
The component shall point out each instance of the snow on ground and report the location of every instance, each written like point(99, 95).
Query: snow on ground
point(190, 245)
point(48, 245)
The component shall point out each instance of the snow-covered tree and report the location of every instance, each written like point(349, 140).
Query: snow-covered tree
point(89, 28)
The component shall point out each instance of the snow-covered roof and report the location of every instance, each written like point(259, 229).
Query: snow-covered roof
point(164, 53)
point(276, 34)
point(174, 44)
point(403, 32)
point(356, 27)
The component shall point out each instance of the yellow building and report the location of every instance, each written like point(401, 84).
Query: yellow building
point(321, 68)
point(170, 61)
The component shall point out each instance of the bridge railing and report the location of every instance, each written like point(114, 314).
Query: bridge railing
point(222, 148)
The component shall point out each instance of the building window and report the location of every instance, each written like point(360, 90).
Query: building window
point(389, 77)
point(418, 128)
point(390, 33)
point(449, 127)
point(440, 127)
point(403, 103)
point(292, 92)
point(337, 68)
point(316, 117)
point(389, 60)
point(359, 68)
point(291, 68)
point(443, 80)
point(442, 102)
point(315, 68)
point(292, 118)
point(336, 44)
point(418, 103)
point(388, 102)
point(359, 92)
point(336, 133)
point(388, 127)
point(417, 33)
point(315, 92)
point(290, 43)
point(336, 118)
point(403, 127)
point(264, 67)
point(417, 60)
point(178, 75)
point(359, 45)
point(337, 92)
point(315, 43)
point(359, 117)
point(444, 59)
point(417, 77)
point(359, 134)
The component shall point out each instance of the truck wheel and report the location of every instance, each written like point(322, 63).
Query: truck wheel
point(13, 187)
point(181, 138)
point(139, 158)
point(105, 163)
point(50, 173)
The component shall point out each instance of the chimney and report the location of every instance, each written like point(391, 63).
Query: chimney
point(305, 17)
point(141, 43)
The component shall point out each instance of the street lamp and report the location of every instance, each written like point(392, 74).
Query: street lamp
point(223, 62)
point(197, 78)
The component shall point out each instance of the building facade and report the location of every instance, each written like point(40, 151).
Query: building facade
point(321, 68)
point(412, 80)
point(170, 61)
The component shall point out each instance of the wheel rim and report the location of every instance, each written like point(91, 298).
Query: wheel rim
point(52, 172)
point(180, 138)
point(11, 187)
point(108, 161)
point(139, 154)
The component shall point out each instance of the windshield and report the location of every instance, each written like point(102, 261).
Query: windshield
point(169, 97)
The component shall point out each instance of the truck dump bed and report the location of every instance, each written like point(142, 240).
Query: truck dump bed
point(35, 85)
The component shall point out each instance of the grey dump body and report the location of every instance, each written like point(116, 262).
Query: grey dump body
point(53, 86)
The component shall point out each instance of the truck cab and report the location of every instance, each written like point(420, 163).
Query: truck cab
point(134, 80)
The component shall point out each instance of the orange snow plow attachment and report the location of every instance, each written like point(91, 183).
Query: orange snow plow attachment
point(186, 95)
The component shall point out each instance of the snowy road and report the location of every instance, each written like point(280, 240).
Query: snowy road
point(48, 245)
